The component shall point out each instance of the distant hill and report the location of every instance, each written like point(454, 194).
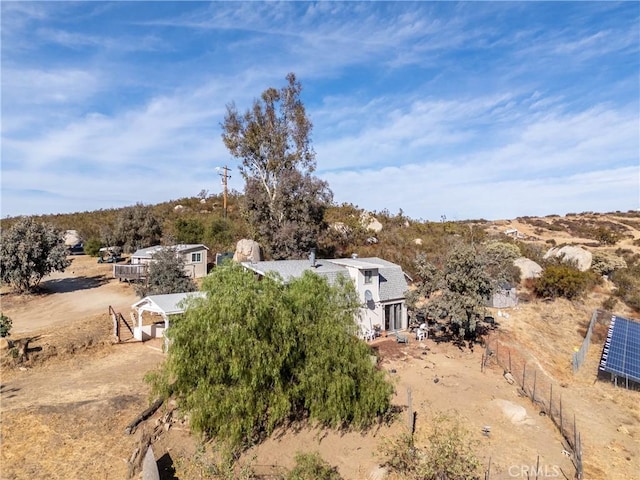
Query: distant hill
point(351, 229)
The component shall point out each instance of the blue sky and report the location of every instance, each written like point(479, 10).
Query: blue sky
point(469, 110)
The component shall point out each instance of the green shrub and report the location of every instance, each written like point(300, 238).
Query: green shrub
point(563, 281)
point(604, 263)
point(627, 282)
point(5, 326)
point(449, 453)
point(311, 466)
point(92, 247)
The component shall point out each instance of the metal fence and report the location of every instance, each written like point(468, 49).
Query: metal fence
point(579, 356)
point(541, 391)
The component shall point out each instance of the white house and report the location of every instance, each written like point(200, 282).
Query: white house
point(381, 285)
point(194, 256)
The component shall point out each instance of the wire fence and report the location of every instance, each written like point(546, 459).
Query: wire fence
point(579, 356)
point(541, 391)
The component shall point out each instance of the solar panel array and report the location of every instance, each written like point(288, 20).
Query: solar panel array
point(621, 352)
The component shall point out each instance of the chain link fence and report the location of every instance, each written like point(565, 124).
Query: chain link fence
point(579, 356)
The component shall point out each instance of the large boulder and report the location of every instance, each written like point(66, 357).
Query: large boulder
point(370, 223)
point(572, 254)
point(247, 251)
point(528, 268)
point(71, 238)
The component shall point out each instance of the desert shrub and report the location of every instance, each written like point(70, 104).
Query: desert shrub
point(606, 236)
point(563, 281)
point(627, 282)
point(604, 263)
point(610, 303)
point(92, 247)
point(5, 326)
point(255, 354)
point(449, 453)
point(532, 251)
point(311, 466)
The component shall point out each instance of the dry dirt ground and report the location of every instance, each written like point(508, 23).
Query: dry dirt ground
point(64, 411)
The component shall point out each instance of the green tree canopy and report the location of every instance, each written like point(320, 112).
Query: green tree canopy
point(136, 227)
point(30, 251)
point(463, 286)
point(189, 230)
point(284, 201)
point(256, 354)
point(166, 275)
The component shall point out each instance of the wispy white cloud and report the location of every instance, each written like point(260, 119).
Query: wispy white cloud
point(434, 108)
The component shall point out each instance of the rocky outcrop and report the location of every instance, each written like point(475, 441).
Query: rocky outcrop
point(370, 223)
point(572, 254)
point(247, 251)
point(528, 268)
point(341, 228)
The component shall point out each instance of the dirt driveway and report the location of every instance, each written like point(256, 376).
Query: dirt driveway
point(64, 412)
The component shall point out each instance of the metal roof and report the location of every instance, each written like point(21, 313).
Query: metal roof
point(169, 304)
point(183, 248)
point(393, 283)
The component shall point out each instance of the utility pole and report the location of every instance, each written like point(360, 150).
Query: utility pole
point(223, 172)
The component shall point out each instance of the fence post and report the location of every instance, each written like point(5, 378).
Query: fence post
point(410, 418)
point(537, 466)
point(551, 401)
point(561, 423)
point(482, 364)
point(533, 396)
point(487, 475)
point(524, 385)
point(509, 360)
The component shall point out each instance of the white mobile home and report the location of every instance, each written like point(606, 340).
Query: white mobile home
point(194, 256)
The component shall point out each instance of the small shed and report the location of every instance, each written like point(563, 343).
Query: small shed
point(163, 306)
point(505, 297)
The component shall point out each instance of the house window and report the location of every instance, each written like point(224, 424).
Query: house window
point(196, 257)
point(368, 276)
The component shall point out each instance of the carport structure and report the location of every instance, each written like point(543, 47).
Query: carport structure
point(163, 306)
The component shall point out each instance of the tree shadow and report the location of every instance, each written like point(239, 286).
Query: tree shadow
point(165, 467)
point(4, 391)
point(66, 285)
